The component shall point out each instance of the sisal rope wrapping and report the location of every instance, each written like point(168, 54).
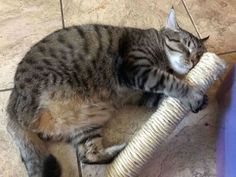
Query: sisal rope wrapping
point(162, 123)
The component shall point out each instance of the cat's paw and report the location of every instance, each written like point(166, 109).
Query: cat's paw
point(195, 101)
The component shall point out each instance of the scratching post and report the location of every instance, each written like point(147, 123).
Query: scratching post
point(161, 124)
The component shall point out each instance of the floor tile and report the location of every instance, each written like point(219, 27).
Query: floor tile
point(190, 153)
point(217, 19)
point(136, 13)
point(23, 23)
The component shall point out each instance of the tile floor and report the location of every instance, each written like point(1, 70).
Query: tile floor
point(190, 151)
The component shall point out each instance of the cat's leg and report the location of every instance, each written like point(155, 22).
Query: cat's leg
point(88, 142)
point(34, 154)
point(151, 100)
point(90, 148)
point(140, 74)
point(80, 124)
point(93, 152)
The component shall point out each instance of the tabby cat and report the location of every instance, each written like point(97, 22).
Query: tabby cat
point(70, 84)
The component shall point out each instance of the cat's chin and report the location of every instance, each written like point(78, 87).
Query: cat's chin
point(180, 69)
point(182, 72)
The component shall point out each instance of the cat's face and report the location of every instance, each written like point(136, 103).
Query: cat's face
point(182, 48)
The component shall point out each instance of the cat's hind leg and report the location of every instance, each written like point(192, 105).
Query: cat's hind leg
point(89, 142)
point(34, 154)
point(39, 162)
point(80, 123)
point(92, 151)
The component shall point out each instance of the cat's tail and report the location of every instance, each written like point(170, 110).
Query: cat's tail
point(37, 159)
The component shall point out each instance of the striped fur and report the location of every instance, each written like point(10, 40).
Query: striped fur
point(71, 83)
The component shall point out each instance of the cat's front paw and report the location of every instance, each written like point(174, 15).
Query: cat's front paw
point(195, 101)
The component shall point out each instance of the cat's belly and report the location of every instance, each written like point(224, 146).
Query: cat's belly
point(64, 111)
point(66, 114)
point(126, 96)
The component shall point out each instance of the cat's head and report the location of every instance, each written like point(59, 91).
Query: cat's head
point(182, 48)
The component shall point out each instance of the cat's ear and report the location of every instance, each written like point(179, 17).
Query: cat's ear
point(171, 20)
point(205, 39)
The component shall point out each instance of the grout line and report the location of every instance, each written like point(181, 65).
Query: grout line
point(4, 90)
point(195, 26)
point(191, 18)
point(229, 52)
point(62, 14)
